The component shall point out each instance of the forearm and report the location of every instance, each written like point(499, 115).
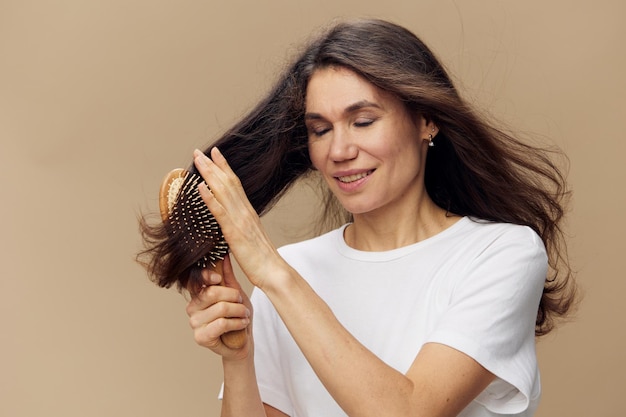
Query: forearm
point(359, 381)
point(241, 396)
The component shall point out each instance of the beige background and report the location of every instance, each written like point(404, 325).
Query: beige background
point(98, 99)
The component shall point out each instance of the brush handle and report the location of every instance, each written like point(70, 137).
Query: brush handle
point(237, 338)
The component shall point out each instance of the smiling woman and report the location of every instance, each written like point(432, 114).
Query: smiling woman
point(428, 300)
point(367, 146)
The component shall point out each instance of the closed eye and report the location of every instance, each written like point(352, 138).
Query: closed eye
point(318, 131)
point(363, 122)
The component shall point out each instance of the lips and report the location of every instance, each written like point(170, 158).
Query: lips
point(346, 179)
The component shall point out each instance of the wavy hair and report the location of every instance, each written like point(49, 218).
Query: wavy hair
point(475, 169)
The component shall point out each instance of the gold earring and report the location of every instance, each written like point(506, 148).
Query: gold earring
point(430, 140)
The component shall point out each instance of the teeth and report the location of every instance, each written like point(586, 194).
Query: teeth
point(351, 178)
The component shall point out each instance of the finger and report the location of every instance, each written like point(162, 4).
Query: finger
point(210, 277)
point(222, 163)
point(210, 324)
point(210, 172)
point(201, 160)
point(223, 186)
point(233, 179)
point(209, 198)
point(213, 295)
point(217, 312)
point(215, 190)
point(210, 335)
point(220, 167)
point(230, 280)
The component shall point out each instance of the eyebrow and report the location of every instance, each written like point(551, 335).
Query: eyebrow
point(350, 109)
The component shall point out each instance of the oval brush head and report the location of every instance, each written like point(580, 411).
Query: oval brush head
point(186, 215)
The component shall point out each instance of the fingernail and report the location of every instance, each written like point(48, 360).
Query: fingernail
point(199, 162)
point(215, 278)
point(247, 313)
point(201, 157)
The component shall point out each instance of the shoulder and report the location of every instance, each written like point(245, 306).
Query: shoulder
point(488, 236)
point(502, 258)
point(500, 229)
point(489, 257)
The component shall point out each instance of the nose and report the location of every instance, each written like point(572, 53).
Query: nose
point(342, 146)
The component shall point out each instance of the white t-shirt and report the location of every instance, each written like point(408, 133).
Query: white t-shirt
point(475, 287)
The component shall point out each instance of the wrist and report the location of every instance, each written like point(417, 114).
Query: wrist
point(239, 362)
point(278, 279)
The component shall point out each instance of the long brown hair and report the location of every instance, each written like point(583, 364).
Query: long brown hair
point(475, 169)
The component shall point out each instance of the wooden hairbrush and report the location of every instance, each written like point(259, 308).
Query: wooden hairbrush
point(184, 212)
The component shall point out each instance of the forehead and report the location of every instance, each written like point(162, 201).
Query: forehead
point(339, 86)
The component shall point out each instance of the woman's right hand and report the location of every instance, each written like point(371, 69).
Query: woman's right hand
point(219, 309)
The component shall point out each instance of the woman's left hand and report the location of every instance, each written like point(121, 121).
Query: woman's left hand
point(240, 224)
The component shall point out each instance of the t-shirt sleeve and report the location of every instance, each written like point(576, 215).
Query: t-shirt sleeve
point(491, 316)
point(267, 361)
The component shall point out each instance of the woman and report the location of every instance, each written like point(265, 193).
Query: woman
point(427, 301)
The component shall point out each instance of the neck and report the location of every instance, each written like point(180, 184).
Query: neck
point(386, 231)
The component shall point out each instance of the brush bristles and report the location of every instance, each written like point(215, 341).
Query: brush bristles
point(190, 218)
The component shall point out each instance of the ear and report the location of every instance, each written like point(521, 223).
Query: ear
point(430, 127)
point(426, 126)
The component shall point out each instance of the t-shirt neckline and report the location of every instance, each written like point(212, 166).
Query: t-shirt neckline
point(382, 256)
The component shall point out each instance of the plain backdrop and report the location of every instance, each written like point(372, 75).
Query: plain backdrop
point(99, 99)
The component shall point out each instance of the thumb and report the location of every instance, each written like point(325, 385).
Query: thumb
point(228, 274)
point(230, 280)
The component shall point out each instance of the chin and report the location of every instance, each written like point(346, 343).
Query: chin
point(358, 209)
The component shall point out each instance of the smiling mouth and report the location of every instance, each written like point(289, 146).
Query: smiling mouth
point(351, 178)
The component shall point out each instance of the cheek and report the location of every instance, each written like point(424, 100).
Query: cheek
point(386, 148)
point(316, 155)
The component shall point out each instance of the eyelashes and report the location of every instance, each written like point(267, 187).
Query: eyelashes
point(319, 130)
point(364, 123)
